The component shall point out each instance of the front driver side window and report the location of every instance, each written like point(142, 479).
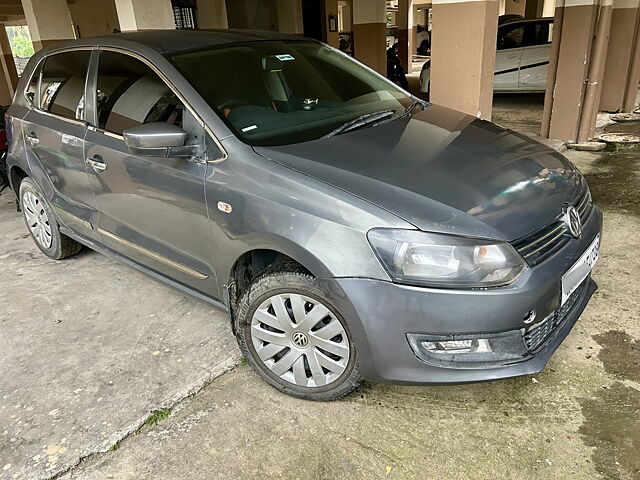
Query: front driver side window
point(130, 93)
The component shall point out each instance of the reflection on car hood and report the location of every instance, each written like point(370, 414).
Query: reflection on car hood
point(444, 171)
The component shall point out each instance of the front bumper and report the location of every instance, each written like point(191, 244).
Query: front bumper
point(381, 314)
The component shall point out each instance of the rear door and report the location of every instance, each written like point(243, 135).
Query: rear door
point(152, 210)
point(508, 55)
point(54, 131)
point(535, 55)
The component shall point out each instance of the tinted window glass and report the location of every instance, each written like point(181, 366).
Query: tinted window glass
point(283, 92)
point(542, 33)
point(63, 80)
point(510, 36)
point(129, 93)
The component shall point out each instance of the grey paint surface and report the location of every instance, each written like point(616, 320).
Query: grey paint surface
point(437, 170)
point(444, 171)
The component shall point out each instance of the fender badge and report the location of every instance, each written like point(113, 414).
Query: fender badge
point(224, 207)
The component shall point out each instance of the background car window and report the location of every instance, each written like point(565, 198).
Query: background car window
point(63, 81)
point(129, 93)
point(536, 33)
point(510, 36)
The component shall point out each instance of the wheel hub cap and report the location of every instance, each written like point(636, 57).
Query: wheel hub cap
point(300, 340)
point(37, 219)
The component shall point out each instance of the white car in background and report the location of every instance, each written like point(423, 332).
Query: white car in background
point(522, 57)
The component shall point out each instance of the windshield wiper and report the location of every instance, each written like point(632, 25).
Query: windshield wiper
point(362, 121)
point(413, 105)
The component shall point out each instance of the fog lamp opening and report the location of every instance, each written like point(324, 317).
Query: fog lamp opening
point(477, 345)
point(483, 350)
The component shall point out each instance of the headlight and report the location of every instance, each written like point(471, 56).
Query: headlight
point(419, 258)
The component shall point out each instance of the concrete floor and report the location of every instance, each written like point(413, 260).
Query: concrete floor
point(89, 348)
point(83, 367)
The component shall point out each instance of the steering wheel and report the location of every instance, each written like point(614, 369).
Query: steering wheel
point(229, 104)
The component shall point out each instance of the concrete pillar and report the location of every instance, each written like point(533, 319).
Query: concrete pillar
point(548, 8)
point(623, 39)
point(331, 11)
point(369, 25)
point(515, 7)
point(462, 58)
point(532, 8)
point(94, 17)
point(290, 16)
point(49, 21)
point(145, 15)
point(345, 12)
point(406, 33)
point(580, 39)
point(634, 76)
point(9, 77)
point(212, 14)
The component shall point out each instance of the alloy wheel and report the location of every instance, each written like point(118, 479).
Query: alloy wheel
point(300, 340)
point(37, 219)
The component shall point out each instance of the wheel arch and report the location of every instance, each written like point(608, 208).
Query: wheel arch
point(252, 262)
point(16, 175)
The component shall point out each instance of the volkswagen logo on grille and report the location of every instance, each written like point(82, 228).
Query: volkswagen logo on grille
point(573, 222)
point(300, 340)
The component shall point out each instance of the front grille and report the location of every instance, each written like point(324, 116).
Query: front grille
point(544, 242)
point(537, 335)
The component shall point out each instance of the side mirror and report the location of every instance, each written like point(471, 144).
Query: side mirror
point(159, 139)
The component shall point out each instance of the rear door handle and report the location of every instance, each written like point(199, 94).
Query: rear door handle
point(32, 139)
point(96, 163)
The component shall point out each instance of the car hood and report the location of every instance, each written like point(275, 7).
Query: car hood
point(444, 171)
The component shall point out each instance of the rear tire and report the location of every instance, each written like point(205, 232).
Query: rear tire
point(42, 224)
point(313, 359)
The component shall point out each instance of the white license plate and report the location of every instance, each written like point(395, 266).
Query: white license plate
point(580, 270)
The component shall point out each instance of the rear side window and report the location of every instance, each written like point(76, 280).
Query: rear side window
point(63, 84)
point(130, 93)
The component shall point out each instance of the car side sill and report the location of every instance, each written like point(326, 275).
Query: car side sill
point(141, 268)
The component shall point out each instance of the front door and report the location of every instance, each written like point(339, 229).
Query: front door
point(535, 56)
point(152, 210)
point(508, 57)
point(54, 132)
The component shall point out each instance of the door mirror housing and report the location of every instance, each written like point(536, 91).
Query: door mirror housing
point(159, 139)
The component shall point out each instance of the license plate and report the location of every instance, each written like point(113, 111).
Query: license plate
point(580, 270)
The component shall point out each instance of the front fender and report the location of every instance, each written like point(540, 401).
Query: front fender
point(276, 208)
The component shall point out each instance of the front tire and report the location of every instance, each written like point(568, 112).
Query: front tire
point(42, 225)
point(293, 336)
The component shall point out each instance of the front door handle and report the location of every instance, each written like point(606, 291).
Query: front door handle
point(96, 163)
point(32, 139)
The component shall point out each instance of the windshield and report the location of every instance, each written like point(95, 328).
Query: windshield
point(283, 92)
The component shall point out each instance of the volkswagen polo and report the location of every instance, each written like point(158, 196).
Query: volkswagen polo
point(351, 231)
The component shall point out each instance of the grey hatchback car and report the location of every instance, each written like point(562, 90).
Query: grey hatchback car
point(351, 231)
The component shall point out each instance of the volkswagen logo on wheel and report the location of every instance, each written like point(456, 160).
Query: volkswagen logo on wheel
point(573, 222)
point(300, 340)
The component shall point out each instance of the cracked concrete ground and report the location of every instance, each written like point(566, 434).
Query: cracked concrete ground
point(89, 348)
point(578, 419)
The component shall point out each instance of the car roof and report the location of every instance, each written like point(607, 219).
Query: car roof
point(169, 41)
point(526, 20)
